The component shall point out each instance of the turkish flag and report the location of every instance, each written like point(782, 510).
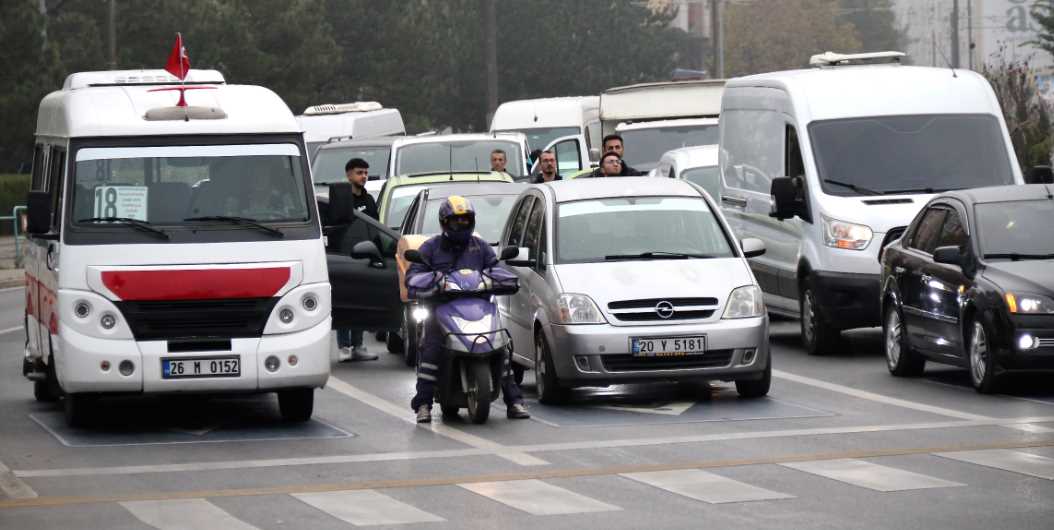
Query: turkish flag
point(178, 62)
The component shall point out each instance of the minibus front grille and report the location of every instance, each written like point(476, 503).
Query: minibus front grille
point(177, 319)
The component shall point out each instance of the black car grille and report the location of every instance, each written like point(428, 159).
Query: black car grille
point(158, 320)
point(645, 310)
point(629, 363)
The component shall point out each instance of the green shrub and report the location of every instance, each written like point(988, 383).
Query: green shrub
point(13, 189)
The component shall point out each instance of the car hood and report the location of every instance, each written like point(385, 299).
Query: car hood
point(654, 279)
point(881, 212)
point(1031, 276)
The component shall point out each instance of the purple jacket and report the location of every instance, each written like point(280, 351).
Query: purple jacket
point(441, 256)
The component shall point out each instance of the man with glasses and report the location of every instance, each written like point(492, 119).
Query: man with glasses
point(613, 143)
point(547, 164)
point(610, 165)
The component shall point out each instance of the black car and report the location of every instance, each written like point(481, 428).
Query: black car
point(971, 283)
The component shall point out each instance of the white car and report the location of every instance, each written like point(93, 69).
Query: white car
point(697, 165)
point(458, 153)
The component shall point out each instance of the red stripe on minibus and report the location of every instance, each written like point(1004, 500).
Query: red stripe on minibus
point(196, 284)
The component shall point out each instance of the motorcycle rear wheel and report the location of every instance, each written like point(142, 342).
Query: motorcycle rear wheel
point(481, 388)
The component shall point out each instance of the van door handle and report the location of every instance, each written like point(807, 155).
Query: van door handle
point(731, 200)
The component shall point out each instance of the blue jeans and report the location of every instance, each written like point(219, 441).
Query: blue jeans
point(349, 338)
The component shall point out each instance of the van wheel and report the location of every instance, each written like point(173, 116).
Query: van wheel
point(296, 404)
point(550, 391)
point(755, 388)
point(818, 337)
point(79, 409)
point(901, 360)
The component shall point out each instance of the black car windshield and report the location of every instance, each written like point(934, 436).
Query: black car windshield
point(1019, 227)
point(170, 184)
point(644, 147)
point(540, 137)
point(491, 213)
point(909, 154)
point(590, 230)
point(457, 157)
point(329, 163)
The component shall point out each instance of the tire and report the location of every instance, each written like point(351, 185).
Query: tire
point(394, 342)
point(411, 342)
point(48, 390)
point(481, 388)
point(79, 409)
point(517, 373)
point(901, 359)
point(818, 337)
point(381, 336)
point(550, 391)
point(756, 388)
point(982, 361)
point(296, 404)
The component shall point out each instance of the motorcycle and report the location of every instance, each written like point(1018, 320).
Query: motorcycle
point(475, 345)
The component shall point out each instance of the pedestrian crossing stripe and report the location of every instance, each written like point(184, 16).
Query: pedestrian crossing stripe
point(183, 514)
point(870, 475)
point(1007, 460)
point(538, 498)
point(366, 508)
point(705, 486)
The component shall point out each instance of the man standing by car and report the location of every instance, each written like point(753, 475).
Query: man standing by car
point(547, 164)
point(613, 142)
point(498, 161)
point(610, 165)
point(349, 341)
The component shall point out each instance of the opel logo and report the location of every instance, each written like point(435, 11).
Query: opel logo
point(664, 309)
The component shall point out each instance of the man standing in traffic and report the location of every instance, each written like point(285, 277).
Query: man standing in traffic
point(610, 165)
point(349, 341)
point(498, 161)
point(547, 164)
point(613, 142)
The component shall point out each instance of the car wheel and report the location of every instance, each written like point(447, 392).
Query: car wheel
point(517, 373)
point(755, 388)
point(296, 404)
point(901, 360)
point(817, 335)
point(394, 342)
point(982, 360)
point(550, 392)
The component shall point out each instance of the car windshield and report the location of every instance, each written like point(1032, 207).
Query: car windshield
point(1019, 227)
point(400, 201)
point(707, 177)
point(644, 147)
point(457, 157)
point(491, 213)
point(167, 185)
point(909, 154)
point(329, 163)
point(591, 230)
point(538, 138)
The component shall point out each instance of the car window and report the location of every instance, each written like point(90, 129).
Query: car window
point(1019, 227)
point(491, 213)
point(752, 154)
point(329, 163)
point(519, 222)
point(533, 234)
point(925, 236)
point(706, 177)
point(399, 203)
point(952, 234)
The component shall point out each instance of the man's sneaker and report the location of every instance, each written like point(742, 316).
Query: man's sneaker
point(517, 411)
point(344, 354)
point(424, 414)
point(360, 353)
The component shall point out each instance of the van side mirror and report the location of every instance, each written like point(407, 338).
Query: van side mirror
point(508, 253)
point(787, 199)
point(38, 212)
point(949, 255)
point(1040, 175)
point(752, 247)
point(341, 200)
point(413, 256)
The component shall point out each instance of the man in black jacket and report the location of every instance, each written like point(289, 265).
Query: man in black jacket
point(547, 165)
point(349, 341)
point(613, 142)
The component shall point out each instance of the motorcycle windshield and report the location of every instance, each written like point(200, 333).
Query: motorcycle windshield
point(471, 325)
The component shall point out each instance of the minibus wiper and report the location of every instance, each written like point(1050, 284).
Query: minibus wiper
point(243, 221)
point(142, 226)
point(657, 255)
point(853, 187)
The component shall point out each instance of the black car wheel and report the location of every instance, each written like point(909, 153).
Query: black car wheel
point(817, 335)
point(755, 388)
point(982, 360)
point(550, 391)
point(901, 360)
point(394, 342)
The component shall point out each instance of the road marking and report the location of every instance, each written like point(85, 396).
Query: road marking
point(11, 330)
point(871, 476)
point(12, 486)
point(538, 498)
point(878, 398)
point(705, 486)
point(527, 474)
point(404, 413)
point(367, 508)
point(184, 514)
point(675, 408)
point(1007, 460)
point(1029, 427)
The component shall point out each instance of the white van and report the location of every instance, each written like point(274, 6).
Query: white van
point(173, 249)
point(828, 164)
point(346, 121)
point(547, 119)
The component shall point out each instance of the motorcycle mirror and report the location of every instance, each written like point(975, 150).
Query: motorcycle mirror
point(413, 256)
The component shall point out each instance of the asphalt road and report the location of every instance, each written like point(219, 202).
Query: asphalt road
point(838, 444)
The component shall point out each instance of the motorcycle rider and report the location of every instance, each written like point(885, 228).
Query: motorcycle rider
point(455, 249)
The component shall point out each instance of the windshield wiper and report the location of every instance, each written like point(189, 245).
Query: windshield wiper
point(142, 226)
point(1015, 256)
point(243, 221)
point(658, 255)
point(854, 187)
point(916, 190)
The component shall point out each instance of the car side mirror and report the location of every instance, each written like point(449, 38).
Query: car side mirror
point(508, 253)
point(949, 255)
point(414, 256)
point(1040, 175)
point(752, 247)
point(38, 212)
point(366, 250)
point(521, 258)
point(787, 200)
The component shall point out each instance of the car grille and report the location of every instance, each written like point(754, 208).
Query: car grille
point(629, 363)
point(645, 310)
point(158, 320)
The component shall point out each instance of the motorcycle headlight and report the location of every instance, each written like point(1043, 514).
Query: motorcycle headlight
point(850, 236)
point(578, 309)
point(419, 314)
point(1029, 304)
point(745, 302)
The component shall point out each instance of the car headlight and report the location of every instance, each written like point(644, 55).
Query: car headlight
point(1030, 304)
point(578, 309)
point(745, 302)
point(850, 236)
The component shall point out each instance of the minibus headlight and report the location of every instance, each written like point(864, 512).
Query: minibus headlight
point(850, 236)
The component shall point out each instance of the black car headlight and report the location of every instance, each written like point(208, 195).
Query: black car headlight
point(1029, 304)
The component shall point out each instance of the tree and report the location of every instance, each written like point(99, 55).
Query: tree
point(28, 63)
point(1026, 113)
point(1043, 14)
point(875, 23)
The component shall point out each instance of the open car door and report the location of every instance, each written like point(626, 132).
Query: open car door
point(572, 154)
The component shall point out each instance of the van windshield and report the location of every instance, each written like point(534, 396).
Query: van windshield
point(329, 163)
point(457, 157)
point(171, 184)
point(644, 147)
point(909, 154)
point(539, 137)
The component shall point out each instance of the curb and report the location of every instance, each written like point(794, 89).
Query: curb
point(18, 281)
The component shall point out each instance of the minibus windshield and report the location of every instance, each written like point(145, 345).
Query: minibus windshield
point(887, 155)
point(174, 185)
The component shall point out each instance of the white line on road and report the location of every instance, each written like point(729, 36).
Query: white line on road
point(877, 398)
point(1007, 460)
point(871, 476)
point(404, 413)
point(538, 498)
point(705, 486)
point(11, 330)
point(367, 508)
point(12, 486)
point(183, 514)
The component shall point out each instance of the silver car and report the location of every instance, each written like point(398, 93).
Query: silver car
point(630, 280)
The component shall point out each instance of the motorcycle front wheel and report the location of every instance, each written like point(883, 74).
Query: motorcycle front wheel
point(481, 388)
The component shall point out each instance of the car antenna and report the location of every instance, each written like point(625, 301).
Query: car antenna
point(451, 161)
point(1050, 194)
point(477, 169)
point(946, 61)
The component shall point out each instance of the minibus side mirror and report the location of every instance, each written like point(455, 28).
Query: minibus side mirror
point(38, 212)
point(787, 199)
point(1040, 175)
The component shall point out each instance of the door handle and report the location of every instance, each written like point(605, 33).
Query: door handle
point(731, 200)
point(925, 278)
point(899, 269)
